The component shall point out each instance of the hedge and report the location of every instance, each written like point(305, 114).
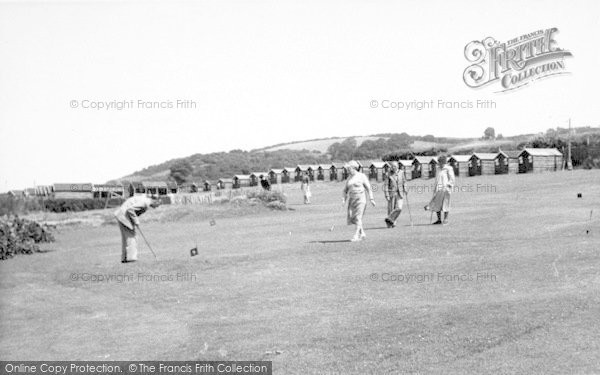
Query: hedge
point(19, 206)
point(76, 205)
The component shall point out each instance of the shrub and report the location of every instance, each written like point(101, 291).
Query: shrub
point(277, 205)
point(590, 163)
point(268, 196)
point(241, 199)
point(76, 205)
point(18, 206)
point(274, 200)
point(21, 236)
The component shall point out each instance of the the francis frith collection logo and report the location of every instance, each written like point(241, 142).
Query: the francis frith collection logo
point(515, 63)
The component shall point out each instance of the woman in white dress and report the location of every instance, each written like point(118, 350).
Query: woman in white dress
point(305, 187)
point(355, 192)
point(444, 183)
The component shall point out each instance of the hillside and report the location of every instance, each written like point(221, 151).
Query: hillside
point(320, 145)
point(371, 147)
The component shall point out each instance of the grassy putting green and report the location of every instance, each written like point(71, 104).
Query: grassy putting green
point(281, 286)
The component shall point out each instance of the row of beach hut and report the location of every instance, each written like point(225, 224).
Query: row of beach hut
point(529, 160)
point(97, 191)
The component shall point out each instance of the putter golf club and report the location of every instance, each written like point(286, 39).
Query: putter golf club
point(147, 244)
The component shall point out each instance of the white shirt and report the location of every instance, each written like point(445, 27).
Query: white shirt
point(357, 185)
point(445, 179)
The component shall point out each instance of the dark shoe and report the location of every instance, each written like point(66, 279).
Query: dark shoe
point(437, 222)
point(389, 223)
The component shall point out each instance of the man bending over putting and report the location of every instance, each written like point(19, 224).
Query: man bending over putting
point(444, 182)
point(128, 218)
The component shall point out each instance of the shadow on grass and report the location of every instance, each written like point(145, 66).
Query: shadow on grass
point(330, 241)
point(377, 228)
point(41, 251)
point(406, 225)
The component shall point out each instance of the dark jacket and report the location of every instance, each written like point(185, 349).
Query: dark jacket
point(265, 184)
point(395, 185)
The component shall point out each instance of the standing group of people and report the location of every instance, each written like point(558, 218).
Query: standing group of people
point(358, 189)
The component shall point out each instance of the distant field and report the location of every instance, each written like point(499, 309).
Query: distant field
point(319, 145)
point(323, 145)
point(162, 172)
point(422, 145)
point(481, 144)
point(160, 176)
point(514, 286)
point(417, 146)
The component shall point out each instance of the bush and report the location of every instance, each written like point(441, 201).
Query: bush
point(274, 200)
point(590, 163)
point(21, 236)
point(76, 205)
point(268, 196)
point(277, 205)
point(241, 199)
point(18, 206)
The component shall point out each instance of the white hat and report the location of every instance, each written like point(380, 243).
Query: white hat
point(353, 164)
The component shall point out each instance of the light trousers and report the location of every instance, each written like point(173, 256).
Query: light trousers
point(129, 248)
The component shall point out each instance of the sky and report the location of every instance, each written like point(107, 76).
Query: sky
point(249, 74)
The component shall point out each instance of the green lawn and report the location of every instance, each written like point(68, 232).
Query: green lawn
point(282, 281)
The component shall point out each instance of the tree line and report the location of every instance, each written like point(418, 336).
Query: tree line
point(585, 150)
